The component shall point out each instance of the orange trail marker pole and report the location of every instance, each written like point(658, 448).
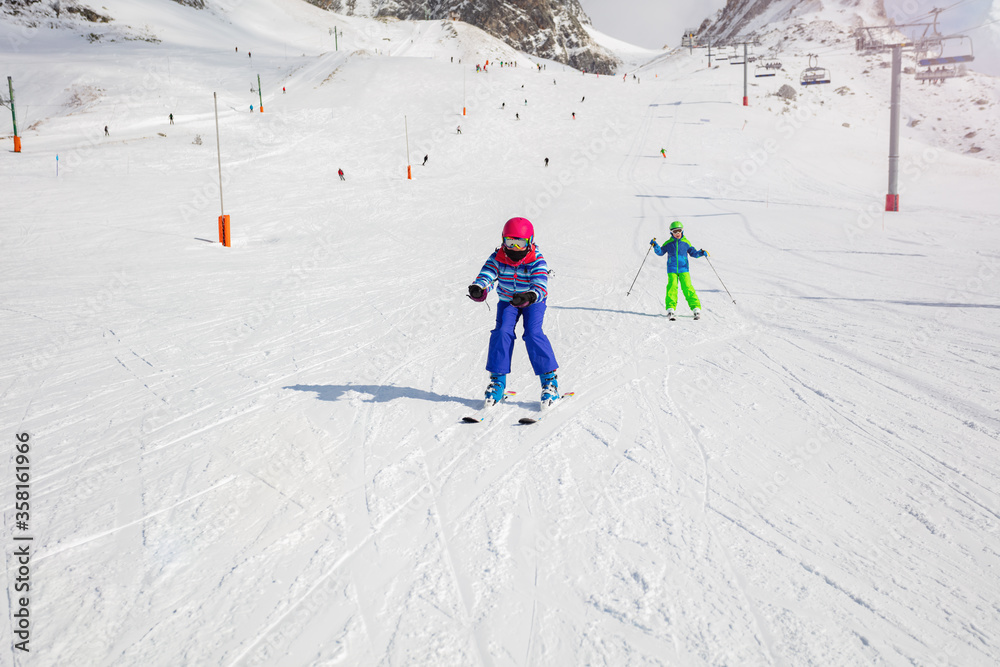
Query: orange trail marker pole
point(406, 130)
point(224, 235)
point(13, 115)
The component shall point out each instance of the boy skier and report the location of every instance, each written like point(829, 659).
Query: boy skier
point(677, 250)
point(521, 276)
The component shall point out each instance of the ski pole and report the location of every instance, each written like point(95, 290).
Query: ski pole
point(639, 271)
point(720, 279)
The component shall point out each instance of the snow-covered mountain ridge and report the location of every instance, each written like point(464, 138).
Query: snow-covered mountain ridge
point(550, 29)
point(253, 455)
point(956, 115)
point(744, 18)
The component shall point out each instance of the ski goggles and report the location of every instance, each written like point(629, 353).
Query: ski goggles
point(515, 244)
point(676, 231)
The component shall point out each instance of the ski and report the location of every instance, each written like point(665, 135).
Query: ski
point(546, 411)
point(478, 417)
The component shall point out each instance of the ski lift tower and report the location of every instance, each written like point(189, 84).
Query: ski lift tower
point(893, 38)
point(743, 60)
point(688, 39)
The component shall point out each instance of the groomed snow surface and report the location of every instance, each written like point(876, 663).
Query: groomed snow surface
point(253, 456)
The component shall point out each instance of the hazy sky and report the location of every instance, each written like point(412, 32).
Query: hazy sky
point(649, 23)
point(967, 16)
point(655, 23)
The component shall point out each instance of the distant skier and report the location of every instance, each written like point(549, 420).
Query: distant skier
point(517, 116)
point(340, 172)
point(251, 107)
point(574, 115)
point(503, 105)
point(521, 276)
point(425, 161)
point(583, 98)
point(459, 129)
point(546, 162)
point(171, 119)
point(106, 133)
point(677, 250)
point(282, 90)
point(663, 152)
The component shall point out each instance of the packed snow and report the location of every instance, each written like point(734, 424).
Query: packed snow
point(253, 455)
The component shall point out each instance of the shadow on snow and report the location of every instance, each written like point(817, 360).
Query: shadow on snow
point(380, 393)
point(608, 310)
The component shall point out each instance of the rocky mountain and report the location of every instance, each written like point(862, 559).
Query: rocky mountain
point(741, 18)
point(552, 29)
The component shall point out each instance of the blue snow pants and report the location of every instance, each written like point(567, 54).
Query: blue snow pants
point(502, 338)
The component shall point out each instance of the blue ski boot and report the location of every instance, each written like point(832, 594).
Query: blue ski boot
point(495, 390)
point(550, 389)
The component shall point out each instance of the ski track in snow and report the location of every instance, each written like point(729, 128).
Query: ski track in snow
point(253, 455)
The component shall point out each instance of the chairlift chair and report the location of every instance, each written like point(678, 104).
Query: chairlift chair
point(939, 53)
point(766, 67)
point(814, 74)
point(942, 60)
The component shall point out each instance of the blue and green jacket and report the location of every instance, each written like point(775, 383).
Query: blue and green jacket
point(530, 274)
point(677, 251)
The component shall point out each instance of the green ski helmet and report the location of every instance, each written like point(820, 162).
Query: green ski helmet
point(676, 224)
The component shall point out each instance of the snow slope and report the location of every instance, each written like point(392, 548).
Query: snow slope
point(253, 456)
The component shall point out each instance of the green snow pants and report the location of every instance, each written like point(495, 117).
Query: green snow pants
point(689, 294)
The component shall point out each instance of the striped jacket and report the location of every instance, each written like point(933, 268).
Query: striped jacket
point(531, 274)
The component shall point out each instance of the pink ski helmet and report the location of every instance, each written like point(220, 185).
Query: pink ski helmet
point(520, 228)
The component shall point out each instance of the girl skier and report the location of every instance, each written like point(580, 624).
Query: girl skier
point(521, 276)
point(677, 250)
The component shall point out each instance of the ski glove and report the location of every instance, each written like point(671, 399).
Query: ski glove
point(477, 293)
point(522, 299)
point(653, 242)
point(706, 252)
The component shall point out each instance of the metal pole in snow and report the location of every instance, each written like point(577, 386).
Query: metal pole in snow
point(260, 95)
point(13, 116)
point(218, 152)
point(892, 199)
point(745, 98)
point(406, 130)
point(225, 237)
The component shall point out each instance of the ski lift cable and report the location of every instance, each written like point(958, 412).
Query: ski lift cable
point(981, 25)
point(929, 14)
